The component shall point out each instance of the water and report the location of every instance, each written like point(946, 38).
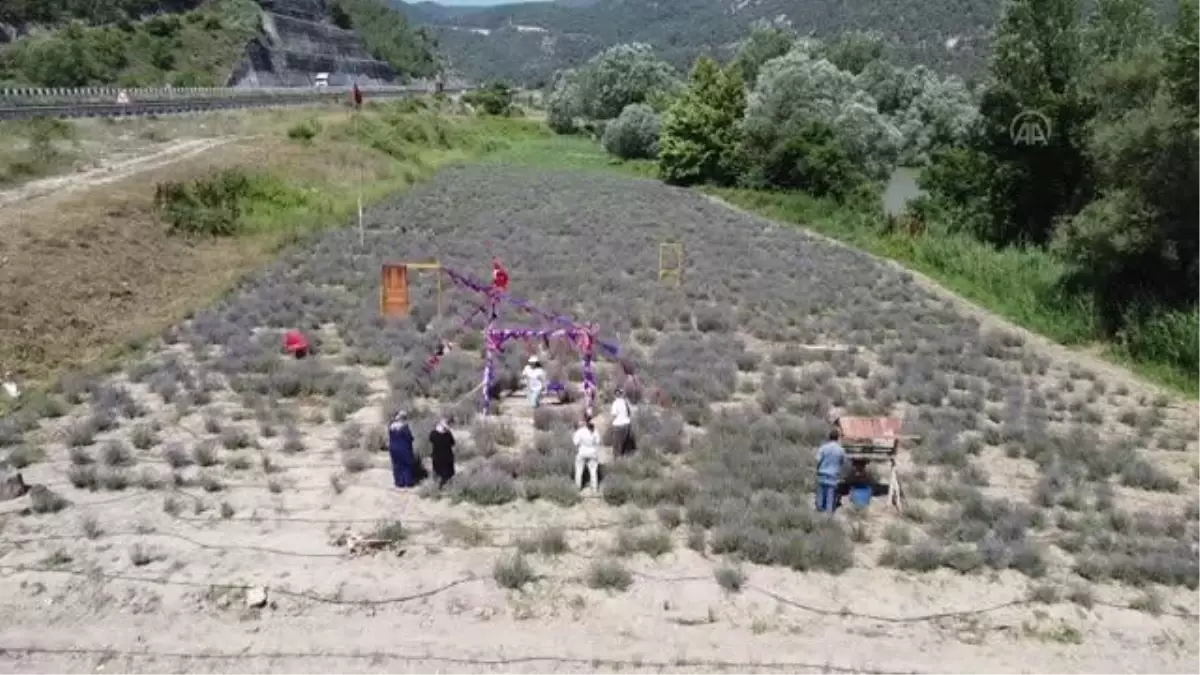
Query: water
point(901, 189)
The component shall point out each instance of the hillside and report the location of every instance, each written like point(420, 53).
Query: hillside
point(75, 43)
point(528, 42)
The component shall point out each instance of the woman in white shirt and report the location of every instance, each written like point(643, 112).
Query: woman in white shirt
point(535, 381)
point(622, 417)
point(587, 453)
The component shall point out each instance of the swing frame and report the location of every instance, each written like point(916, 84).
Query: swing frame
point(583, 337)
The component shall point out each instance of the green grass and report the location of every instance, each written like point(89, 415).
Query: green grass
point(570, 152)
point(315, 182)
point(1022, 285)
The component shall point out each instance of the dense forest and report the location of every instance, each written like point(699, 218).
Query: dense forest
point(1101, 205)
point(951, 37)
point(178, 42)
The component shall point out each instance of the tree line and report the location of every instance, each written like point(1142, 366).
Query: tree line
point(1079, 144)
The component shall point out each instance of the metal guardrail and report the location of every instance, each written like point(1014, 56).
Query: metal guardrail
point(110, 94)
point(104, 102)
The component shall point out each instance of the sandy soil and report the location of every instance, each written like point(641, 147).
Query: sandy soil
point(255, 578)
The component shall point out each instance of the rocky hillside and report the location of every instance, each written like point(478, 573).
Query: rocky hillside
point(527, 42)
point(74, 43)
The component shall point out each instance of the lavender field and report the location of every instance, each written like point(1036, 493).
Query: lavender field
point(201, 510)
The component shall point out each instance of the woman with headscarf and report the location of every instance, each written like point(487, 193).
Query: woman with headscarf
point(400, 447)
point(441, 439)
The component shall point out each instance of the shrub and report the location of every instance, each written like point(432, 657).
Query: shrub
point(634, 134)
point(205, 453)
point(654, 542)
point(143, 437)
point(304, 131)
point(83, 476)
point(730, 577)
point(116, 453)
point(557, 489)
point(486, 486)
point(513, 571)
point(356, 461)
point(550, 540)
point(43, 500)
point(493, 99)
point(609, 574)
point(210, 206)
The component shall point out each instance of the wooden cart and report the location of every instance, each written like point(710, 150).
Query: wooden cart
point(875, 439)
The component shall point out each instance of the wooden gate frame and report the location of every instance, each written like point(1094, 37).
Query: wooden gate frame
point(436, 265)
point(663, 270)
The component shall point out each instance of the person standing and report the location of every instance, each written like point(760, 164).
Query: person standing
point(830, 458)
point(400, 447)
point(622, 425)
point(535, 381)
point(441, 439)
point(587, 454)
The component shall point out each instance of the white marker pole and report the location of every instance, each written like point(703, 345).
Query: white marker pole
point(362, 233)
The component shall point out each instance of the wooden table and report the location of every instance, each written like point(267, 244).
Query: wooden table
point(875, 439)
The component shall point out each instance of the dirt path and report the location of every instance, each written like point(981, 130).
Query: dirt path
point(110, 170)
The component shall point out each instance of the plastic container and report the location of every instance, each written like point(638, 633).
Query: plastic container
point(860, 495)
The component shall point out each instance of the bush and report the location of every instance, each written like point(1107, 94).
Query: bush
point(513, 571)
point(548, 541)
point(487, 487)
point(493, 99)
point(634, 134)
point(211, 206)
point(304, 131)
point(609, 574)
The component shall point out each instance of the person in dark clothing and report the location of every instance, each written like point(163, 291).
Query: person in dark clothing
point(400, 447)
point(442, 456)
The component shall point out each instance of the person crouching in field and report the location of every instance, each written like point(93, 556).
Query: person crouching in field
point(587, 454)
point(830, 458)
point(442, 454)
point(400, 447)
point(622, 425)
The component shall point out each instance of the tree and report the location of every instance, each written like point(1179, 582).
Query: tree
point(634, 134)
point(562, 102)
point(941, 114)
point(853, 51)
point(764, 43)
point(620, 76)
point(1117, 28)
point(340, 17)
point(1135, 247)
point(1035, 76)
point(809, 156)
point(796, 88)
point(701, 131)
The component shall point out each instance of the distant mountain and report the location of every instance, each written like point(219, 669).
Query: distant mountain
point(526, 43)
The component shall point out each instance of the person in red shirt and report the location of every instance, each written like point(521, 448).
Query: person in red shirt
point(296, 344)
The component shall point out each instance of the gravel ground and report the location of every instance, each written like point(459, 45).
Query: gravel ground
point(1050, 521)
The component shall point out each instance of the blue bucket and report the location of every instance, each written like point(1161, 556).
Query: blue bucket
point(860, 495)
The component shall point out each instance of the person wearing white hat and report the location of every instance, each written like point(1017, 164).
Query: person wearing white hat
point(535, 381)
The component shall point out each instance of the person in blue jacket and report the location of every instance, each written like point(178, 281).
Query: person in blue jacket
point(830, 458)
point(400, 447)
